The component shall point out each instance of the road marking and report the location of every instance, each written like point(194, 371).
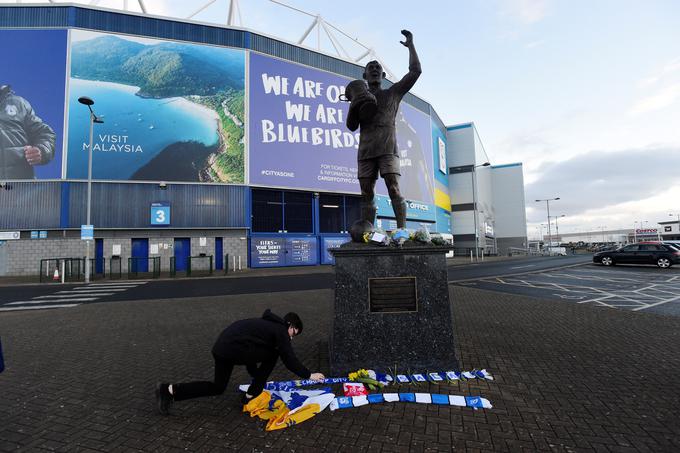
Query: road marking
point(657, 303)
point(38, 307)
point(77, 299)
point(522, 267)
point(119, 284)
point(99, 292)
point(57, 296)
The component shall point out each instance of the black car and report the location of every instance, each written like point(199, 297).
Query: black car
point(662, 255)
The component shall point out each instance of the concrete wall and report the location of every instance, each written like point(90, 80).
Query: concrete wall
point(22, 257)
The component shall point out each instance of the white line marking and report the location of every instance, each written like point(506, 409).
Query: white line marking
point(657, 303)
point(38, 307)
point(522, 267)
point(75, 293)
point(61, 296)
point(118, 284)
point(94, 290)
point(79, 299)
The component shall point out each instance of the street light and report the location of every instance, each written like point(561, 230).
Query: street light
point(635, 230)
point(603, 228)
point(93, 119)
point(557, 228)
point(474, 205)
point(547, 205)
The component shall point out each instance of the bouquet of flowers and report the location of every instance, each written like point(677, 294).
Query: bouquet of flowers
point(368, 377)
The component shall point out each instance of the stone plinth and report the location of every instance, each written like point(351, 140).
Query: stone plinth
point(412, 327)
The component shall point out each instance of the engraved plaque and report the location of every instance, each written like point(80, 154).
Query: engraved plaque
point(392, 294)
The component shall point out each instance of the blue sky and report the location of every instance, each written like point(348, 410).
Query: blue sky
point(586, 94)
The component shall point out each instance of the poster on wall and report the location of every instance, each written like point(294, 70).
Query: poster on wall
point(32, 89)
point(269, 251)
point(172, 111)
point(298, 138)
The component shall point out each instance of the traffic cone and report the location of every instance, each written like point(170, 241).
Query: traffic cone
point(56, 275)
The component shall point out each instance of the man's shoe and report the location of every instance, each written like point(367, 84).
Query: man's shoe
point(163, 399)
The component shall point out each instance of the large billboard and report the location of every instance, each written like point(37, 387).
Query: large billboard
point(172, 111)
point(32, 89)
point(298, 138)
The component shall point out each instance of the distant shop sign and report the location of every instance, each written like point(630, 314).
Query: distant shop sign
point(646, 231)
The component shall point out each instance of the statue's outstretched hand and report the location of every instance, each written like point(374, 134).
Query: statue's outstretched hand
point(409, 38)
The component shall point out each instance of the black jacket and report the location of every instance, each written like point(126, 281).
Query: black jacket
point(256, 340)
point(19, 127)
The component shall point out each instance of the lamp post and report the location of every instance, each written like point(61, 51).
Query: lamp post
point(474, 205)
point(93, 119)
point(547, 205)
point(603, 228)
point(557, 228)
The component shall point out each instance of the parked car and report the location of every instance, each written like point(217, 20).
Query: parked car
point(662, 255)
point(675, 244)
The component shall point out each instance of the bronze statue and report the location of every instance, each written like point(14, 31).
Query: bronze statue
point(375, 110)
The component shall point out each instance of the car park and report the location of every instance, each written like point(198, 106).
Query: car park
point(663, 255)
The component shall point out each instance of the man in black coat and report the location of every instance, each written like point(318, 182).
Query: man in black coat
point(247, 342)
point(25, 141)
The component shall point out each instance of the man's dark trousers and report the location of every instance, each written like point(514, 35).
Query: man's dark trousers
point(223, 369)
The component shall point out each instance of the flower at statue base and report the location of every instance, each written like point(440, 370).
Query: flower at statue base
point(400, 235)
point(367, 377)
point(422, 236)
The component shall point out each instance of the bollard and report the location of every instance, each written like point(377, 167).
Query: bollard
point(2, 361)
point(233, 267)
point(239, 262)
point(471, 256)
point(225, 263)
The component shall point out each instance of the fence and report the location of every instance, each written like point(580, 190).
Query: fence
point(191, 265)
point(136, 264)
point(61, 269)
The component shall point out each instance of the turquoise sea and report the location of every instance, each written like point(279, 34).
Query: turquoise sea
point(135, 129)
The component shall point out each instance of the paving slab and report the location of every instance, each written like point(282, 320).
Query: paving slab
point(569, 377)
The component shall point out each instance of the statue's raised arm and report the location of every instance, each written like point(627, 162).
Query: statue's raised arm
point(414, 69)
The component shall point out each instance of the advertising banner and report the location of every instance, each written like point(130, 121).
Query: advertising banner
point(298, 138)
point(172, 111)
point(32, 90)
point(331, 243)
point(301, 251)
point(267, 251)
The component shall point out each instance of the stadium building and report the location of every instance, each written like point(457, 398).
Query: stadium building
point(208, 141)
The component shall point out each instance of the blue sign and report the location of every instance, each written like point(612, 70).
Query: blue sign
point(301, 251)
point(34, 235)
point(415, 210)
point(43, 234)
point(331, 243)
point(160, 214)
point(87, 232)
point(267, 252)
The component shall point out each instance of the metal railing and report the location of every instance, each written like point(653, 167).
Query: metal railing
point(61, 269)
point(115, 267)
point(191, 265)
point(136, 263)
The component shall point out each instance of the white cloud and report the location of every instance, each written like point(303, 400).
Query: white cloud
point(669, 68)
point(619, 186)
point(528, 11)
point(663, 98)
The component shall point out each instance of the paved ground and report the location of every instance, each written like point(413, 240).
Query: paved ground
point(634, 288)
point(569, 377)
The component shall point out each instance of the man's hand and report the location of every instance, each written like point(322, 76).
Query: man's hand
point(408, 42)
point(33, 155)
point(317, 377)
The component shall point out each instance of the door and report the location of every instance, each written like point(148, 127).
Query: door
point(182, 253)
point(99, 256)
point(219, 257)
point(140, 250)
point(627, 254)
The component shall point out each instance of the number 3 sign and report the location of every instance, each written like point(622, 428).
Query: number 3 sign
point(160, 214)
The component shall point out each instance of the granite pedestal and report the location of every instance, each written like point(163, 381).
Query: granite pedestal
point(391, 308)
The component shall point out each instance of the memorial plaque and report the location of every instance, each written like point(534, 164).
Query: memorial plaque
point(392, 294)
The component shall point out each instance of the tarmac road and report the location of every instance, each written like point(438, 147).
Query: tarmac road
point(39, 296)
